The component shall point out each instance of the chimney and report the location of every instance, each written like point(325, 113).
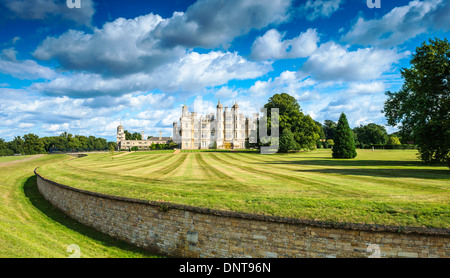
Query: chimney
point(160, 136)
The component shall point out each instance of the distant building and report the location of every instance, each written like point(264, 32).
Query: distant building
point(122, 143)
point(225, 129)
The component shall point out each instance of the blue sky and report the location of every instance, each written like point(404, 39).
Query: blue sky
point(85, 70)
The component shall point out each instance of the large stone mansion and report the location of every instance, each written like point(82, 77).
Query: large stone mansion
point(225, 129)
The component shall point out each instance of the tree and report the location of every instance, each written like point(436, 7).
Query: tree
point(305, 131)
point(112, 145)
point(74, 143)
point(422, 106)
point(287, 141)
point(329, 128)
point(111, 149)
point(2, 144)
point(16, 145)
point(371, 134)
point(4, 150)
point(403, 137)
point(330, 142)
point(309, 133)
point(393, 140)
point(127, 135)
point(64, 135)
point(344, 143)
point(100, 144)
point(33, 144)
point(132, 136)
point(136, 136)
point(321, 132)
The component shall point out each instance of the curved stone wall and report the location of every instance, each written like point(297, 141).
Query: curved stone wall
point(183, 231)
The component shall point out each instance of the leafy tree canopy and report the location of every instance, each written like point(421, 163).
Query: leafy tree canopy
point(33, 144)
point(304, 129)
point(393, 140)
point(287, 141)
point(371, 134)
point(329, 128)
point(132, 136)
point(422, 106)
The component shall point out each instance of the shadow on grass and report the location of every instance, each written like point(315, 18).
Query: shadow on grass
point(386, 173)
point(320, 161)
point(421, 173)
point(31, 192)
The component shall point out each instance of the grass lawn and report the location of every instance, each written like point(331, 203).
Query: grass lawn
point(13, 158)
point(31, 227)
point(390, 187)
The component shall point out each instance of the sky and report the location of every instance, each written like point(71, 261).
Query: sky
point(86, 70)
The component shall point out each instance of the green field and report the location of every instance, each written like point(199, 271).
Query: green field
point(32, 227)
point(390, 187)
point(13, 158)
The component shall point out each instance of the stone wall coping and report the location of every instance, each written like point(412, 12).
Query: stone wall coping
point(444, 232)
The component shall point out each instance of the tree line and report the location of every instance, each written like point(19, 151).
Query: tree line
point(367, 136)
point(420, 110)
point(301, 132)
point(30, 144)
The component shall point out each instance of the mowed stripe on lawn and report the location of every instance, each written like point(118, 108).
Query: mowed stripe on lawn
point(360, 180)
point(277, 175)
point(217, 174)
point(333, 184)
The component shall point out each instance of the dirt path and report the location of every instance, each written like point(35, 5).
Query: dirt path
point(176, 151)
point(8, 163)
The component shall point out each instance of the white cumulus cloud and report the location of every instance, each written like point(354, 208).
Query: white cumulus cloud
point(271, 45)
point(335, 62)
point(191, 73)
point(23, 69)
point(401, 24)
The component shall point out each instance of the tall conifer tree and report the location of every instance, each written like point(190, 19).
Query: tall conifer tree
point(344, 143)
